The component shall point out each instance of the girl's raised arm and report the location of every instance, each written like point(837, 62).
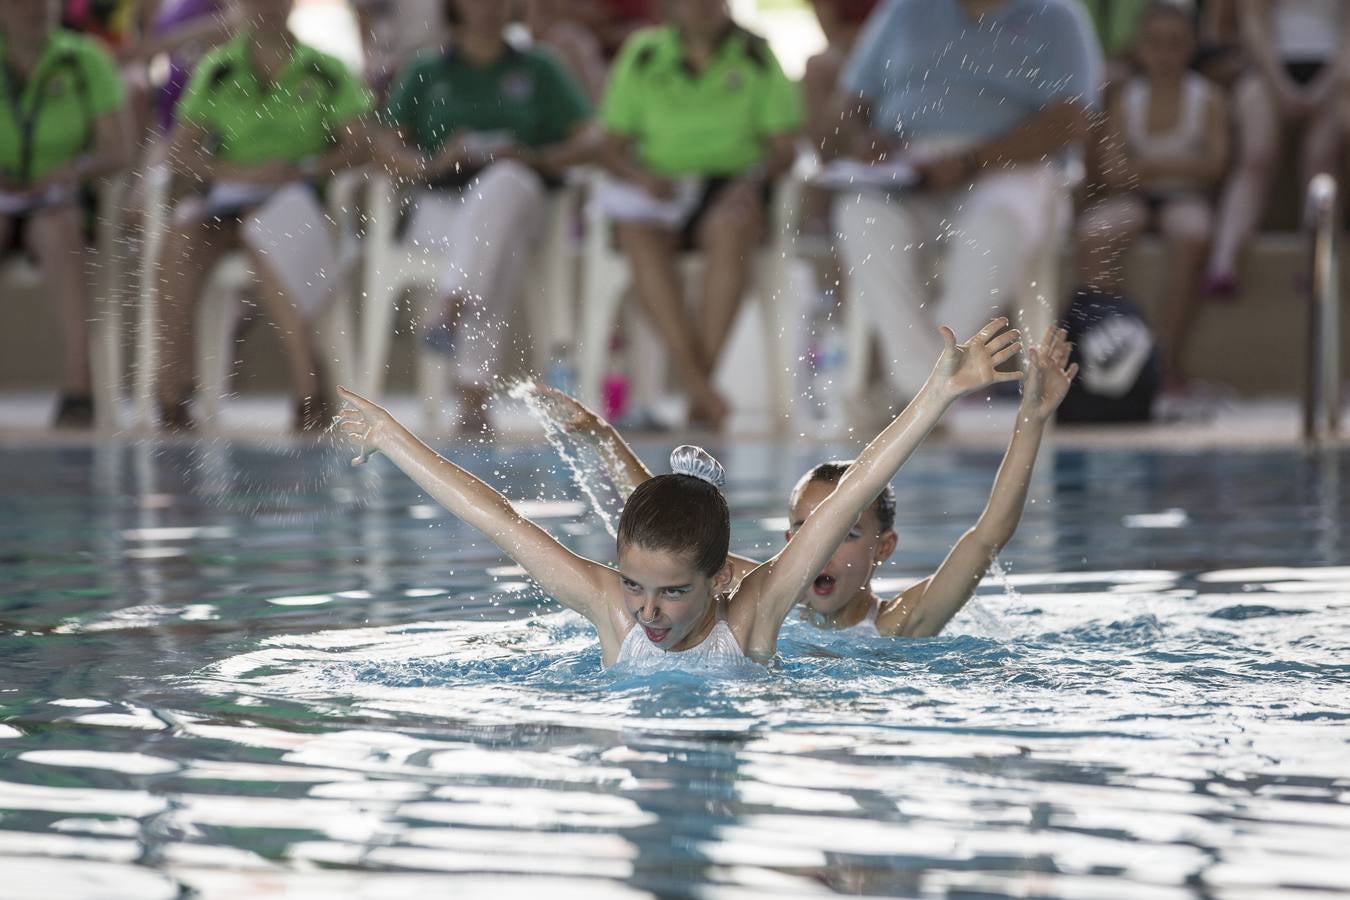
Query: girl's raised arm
point(576, 582)
point(775, 587)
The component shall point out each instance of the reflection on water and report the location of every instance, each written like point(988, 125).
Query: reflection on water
point(230, 671)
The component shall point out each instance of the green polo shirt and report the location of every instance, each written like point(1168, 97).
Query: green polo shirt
point(523, 92)
point(712, 122)
point(291, 118)
point(49, 119)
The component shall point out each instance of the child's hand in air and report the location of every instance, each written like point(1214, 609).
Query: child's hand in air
point(968, 367)
point(570, 413)
point(1048, 375)
point(363, 422)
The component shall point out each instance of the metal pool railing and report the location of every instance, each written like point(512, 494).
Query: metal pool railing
point(1322, 375)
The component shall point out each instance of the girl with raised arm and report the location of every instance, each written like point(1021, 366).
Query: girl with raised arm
point(841, 596)
point(672, 589)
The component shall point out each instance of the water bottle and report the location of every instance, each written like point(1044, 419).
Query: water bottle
point(614, 388)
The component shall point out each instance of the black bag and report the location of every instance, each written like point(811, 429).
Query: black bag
point(1119, 367)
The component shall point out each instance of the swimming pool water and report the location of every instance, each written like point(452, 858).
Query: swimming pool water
point(230, 670)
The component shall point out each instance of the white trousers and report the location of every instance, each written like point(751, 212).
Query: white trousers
point(486, 233)
point(914, 261)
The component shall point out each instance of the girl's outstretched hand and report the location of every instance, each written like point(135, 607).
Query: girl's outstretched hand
point(967, 367)
point(1048, 375)
point(363, 422)
point(571, 414)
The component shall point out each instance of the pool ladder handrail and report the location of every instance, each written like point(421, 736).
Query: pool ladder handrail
point(1322, 375)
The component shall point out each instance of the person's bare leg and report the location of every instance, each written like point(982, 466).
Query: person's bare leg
point(1244, 195)
point(191, 251)
point(1187, 226)
point(56, 239)
point(729, 239)
point(1104, 233)
point(297, 341)
point(1323, 142)
point(651, 251)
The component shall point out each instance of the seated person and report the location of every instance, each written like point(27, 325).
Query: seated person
point(698, 115)
point(553, 24)
point(1171, 128)
point(482, 128)
point(64, 88)
point(261, 113)
point(981, 141)
point(1299, 52)
point(393, 32)
point(841, 21)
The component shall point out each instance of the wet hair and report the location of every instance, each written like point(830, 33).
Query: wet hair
point(830, 473)
point(683, 512)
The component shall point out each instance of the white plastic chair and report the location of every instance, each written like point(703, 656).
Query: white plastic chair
point(606, 280)
point(393, 267)
point(1036, 303)
point(105, 327)
point(223, 301)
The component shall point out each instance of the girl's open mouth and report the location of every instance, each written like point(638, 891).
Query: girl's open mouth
point(823, 585)
point(656, 635)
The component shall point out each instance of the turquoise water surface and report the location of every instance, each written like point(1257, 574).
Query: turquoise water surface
point(244, 670)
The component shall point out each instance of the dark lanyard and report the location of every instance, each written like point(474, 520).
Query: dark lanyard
point(27, 123)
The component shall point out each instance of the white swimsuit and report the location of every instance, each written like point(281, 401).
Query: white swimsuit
point(719, 650)
point(867, 626)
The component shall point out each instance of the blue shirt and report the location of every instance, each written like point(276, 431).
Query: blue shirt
point(929, 71)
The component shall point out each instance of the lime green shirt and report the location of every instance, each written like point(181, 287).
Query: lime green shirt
point(712, 122)
point(291, 118)
point(49, 119)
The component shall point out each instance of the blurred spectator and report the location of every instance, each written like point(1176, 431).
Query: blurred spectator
point(261, 115)
point(483, 127)
point(700, 121)
point(114, 22)
point(552, 24)
point(63, 127)
point(186, 30)
point(614, 21)
point(978, 137)
point(1117, 24)
point(841, 21)
point(1220, 56)
point(1173, 129)
point(395, 31)
point(1300, 54)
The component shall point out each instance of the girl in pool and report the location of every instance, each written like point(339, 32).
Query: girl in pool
point(672, 590)
point(841, 596)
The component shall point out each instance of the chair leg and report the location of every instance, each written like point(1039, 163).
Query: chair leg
point(601, 300)
point(336, 339)
point(433, 373)
point(378, 309)
point(220, 312)
point(775, 289)
point(105, 357)
point(105, 351)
